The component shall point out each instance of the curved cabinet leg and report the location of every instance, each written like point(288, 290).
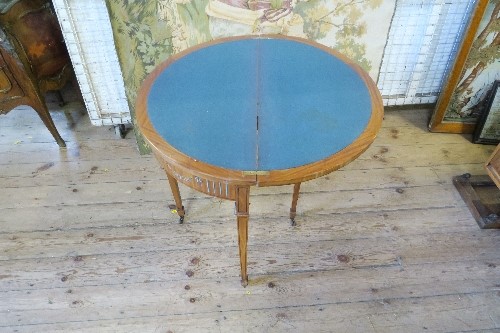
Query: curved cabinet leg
point(242, 215)
point(174, 186)
point(44, 114)
point(295, 199)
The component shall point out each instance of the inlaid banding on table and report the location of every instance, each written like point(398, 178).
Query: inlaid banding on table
point(217, 188)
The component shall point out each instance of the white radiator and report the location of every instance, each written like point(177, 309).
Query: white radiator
point(88, 35)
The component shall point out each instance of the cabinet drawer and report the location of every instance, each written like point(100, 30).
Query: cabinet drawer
point(9, 89)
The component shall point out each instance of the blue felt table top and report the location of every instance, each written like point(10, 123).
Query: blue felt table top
point(259, 104)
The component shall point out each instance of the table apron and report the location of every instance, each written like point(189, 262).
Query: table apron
point(214, 186)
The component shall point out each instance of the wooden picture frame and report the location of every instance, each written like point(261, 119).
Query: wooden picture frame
point(488, 125)
point(438, 122)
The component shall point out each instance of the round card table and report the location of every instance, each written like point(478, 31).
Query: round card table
point(268, 110)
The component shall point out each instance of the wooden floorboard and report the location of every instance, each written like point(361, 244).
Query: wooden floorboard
point(386, 244)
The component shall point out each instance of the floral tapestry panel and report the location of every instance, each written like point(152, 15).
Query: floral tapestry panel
point(148, 32)
point(356, 28)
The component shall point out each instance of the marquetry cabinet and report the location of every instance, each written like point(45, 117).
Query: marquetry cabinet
point(33, 58)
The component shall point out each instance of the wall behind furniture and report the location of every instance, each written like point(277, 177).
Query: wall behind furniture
point(421, 47)
point(148, 32)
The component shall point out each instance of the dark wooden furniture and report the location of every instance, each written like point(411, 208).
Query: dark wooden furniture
point(493, 166)
point(33, 58)
point(263, 111)
point(482, 197)
point(482, 193)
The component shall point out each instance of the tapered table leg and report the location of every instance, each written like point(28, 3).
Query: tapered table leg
point(242, 214)
point(174, 186)
point(44, 114)
point(295, 198)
